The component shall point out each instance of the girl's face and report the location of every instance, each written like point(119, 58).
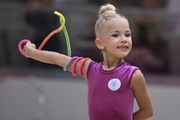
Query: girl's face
point(116, 38)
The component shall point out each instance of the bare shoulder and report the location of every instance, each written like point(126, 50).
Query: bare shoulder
point(137, 79)
point(138, 85)
point(87, 63)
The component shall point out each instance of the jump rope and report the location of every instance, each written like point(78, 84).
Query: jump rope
point(75, 58)
point(62, 21)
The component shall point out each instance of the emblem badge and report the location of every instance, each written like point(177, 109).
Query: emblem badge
point(114, 84)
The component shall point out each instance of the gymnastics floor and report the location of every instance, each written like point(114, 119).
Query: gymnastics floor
point(65, 98)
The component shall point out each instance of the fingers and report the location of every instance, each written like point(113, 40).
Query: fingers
point(33, 45)
point(28, 47)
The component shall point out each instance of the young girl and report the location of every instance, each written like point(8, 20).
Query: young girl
point(113, 83)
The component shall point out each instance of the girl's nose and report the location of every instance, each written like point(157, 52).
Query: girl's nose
point(123, 39)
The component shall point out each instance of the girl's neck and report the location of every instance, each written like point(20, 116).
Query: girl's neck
point(111, 64)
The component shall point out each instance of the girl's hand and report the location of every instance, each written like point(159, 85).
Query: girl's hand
point(28, 49)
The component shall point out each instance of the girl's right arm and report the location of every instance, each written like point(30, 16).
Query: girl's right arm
point(50, 57)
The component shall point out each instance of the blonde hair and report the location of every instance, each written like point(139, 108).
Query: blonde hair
point(106, 13)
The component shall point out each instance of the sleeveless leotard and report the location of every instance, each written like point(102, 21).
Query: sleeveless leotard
point(109, 93)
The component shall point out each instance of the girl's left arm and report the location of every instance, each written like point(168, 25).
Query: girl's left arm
point(138, 85)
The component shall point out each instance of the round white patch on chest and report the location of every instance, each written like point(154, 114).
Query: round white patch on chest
point(114, 84)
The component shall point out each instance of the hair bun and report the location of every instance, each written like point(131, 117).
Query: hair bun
point(107, 7)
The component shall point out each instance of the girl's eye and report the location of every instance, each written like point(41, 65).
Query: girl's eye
point(115, 35)
point(128, 35)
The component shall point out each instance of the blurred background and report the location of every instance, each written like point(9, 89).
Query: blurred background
point(30, 90)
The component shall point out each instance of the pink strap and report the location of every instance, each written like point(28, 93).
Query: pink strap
point(82, 64)
point(20, 45)
point(74, 66)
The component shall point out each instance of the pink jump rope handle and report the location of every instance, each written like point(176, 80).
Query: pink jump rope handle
point(20, 45)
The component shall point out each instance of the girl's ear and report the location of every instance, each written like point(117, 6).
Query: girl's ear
point(99, 44)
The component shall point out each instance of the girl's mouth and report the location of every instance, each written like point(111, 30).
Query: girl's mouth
point(123, 47)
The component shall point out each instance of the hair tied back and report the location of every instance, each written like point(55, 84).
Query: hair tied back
point(107, 8)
